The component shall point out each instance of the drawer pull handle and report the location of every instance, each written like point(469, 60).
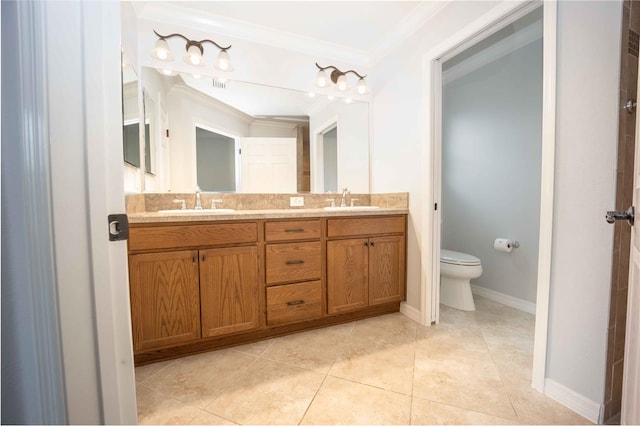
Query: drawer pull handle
point(295, 262)
point(295, 302)
point(294, 230)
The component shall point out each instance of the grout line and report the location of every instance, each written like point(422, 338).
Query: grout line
point(313, 399)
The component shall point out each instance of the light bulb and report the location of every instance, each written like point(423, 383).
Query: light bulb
point(321, 80)
point(348, 100)
point(331, 97)
point(166, 72)
point(311, 95)
point(342, 83)
point(193, 56)
point(361, 87)
point(223, 61)
point(161, 51)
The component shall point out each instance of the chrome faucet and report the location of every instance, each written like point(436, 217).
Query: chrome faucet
point(343, 201)
point(198, 202)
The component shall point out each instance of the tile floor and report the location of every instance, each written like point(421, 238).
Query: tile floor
point(472, 368)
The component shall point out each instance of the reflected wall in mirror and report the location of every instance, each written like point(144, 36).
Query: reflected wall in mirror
point(245, 113)
point(149, 134)
point(130, 114)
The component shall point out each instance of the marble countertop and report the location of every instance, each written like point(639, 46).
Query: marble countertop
point(155, 217)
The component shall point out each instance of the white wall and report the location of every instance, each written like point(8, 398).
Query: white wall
point(186, 109)
point(398, 123)
point(586, 134)
point(491, 153)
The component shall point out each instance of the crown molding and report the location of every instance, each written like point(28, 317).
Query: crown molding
point(420, 15)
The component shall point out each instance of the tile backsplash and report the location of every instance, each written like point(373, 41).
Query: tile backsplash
point(152, 202)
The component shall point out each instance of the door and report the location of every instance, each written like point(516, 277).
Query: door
point(630, 413)
point(229, 290)
point(347, 275)
point(268, 165)
point(165, 304)
point(386, 269)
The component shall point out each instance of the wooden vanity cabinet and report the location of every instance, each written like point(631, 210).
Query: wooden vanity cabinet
point(180, 296)
point(197, 286)
point(368, 270)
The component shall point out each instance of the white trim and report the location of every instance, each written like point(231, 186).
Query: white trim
point(582, 405)
point(503, 14)
point(505, 299)
point(507, 45)
point(410, 312)
point(547, 176)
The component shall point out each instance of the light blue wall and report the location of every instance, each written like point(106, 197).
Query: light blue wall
point(491, 168)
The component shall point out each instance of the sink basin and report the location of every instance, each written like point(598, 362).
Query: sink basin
point(193, 211)
point(350, 208)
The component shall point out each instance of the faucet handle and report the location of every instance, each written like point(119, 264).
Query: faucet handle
point(213, 203)
point(352, 201)
point(183, 204)
point(333, 202)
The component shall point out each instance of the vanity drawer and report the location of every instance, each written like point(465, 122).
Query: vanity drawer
point(183, 236)
point(294, 302)
point(293, 262)
point(365, 226)
point(292, 230)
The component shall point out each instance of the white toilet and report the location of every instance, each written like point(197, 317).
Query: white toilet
point(456, 271)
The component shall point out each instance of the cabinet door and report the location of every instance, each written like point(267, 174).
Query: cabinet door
point(347, 270)
point(229, 290)
point(165, 307)
point(386, 269)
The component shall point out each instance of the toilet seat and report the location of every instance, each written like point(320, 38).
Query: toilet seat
point(456, 258)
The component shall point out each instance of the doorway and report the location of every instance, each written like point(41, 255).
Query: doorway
point(432, 237)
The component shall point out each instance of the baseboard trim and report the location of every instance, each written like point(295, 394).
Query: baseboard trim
point(582, 405)
point(505, 299)
point(410, 312)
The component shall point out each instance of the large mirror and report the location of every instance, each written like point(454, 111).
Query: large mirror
point(233, 136)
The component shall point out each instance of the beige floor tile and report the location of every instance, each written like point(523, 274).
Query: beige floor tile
point(198, 379)
point(386, 366)
point(144, 372)
point(343, 402)
point(534, 407)
point(255, 349)
point(457, 366)
point(390, 329)
point(459, 342)
point(483, 394)
point(425, 412)
point(314, 350)
point(344, 329)
point(206, 418)
point(155, 407)
point(450, 317)
point(268, 393)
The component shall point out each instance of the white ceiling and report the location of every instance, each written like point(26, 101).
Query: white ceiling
point(364, 29)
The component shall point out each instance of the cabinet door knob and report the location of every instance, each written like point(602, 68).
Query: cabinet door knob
point(203, 257)
point(373, 244)
point(193, 259)
point(366, 244)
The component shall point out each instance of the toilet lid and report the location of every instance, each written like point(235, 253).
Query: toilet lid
point(457, 258)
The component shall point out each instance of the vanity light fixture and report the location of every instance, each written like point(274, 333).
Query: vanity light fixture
point(339, 78)
point(194, 52)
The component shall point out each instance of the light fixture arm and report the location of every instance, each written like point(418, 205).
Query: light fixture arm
point(190, 43)
point(337, 73)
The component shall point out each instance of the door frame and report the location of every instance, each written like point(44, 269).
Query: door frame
point(488, 24)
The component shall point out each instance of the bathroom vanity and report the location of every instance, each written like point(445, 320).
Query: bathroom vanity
point(199, 282)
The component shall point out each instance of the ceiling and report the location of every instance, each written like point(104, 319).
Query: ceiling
point(364, 30)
